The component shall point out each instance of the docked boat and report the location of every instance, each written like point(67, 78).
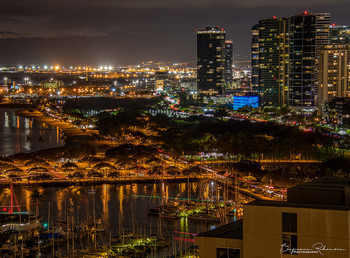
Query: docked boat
point(168, 215)
point(205, 218)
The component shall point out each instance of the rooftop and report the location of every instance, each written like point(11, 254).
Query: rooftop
point(327, 183)
point(325, 191)
point(298, 205)
point(232, 230)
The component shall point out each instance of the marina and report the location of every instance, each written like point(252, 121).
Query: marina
point(77, 220)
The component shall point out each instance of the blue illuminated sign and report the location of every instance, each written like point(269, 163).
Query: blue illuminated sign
point(245, 101)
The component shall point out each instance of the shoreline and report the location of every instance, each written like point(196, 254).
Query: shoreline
point(74, 136)
point(116, 181)
point(22, 111)
point(68, 129)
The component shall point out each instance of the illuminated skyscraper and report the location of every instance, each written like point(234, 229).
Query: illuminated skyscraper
point(270, 59)
point(334, 77)
point(211, 61)
point(308, 33)
point(255, 58)
point(228, 62)
point(339, 34)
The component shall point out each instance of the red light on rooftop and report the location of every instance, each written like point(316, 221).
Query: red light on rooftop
point(333, 24)
point(274, 17)
point(306, 12)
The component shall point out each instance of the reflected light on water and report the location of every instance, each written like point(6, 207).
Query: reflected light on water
point(121, 207)
point(6, 120)
point(121, 199)
point(25, 135)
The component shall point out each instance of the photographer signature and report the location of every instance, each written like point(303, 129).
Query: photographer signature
point(317, 248)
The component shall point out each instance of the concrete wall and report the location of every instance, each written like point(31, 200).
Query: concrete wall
point(208, 245)
point(262, 231)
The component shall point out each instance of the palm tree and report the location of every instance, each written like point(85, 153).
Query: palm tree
point(36, 197)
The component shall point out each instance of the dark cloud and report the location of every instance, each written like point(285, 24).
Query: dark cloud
point(129, 31)
point(8, 33)
point(9, 20)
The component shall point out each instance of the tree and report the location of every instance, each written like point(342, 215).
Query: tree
point(36, 197)
point(221, 113)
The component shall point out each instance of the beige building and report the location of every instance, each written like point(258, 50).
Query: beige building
point(334, 77)
point(52, 84)
point(314, 222)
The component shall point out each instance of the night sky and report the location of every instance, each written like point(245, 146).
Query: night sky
point(119, 32)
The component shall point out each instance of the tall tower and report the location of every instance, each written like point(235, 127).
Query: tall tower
point(308, 34)
point(255, 58)
point(271, 70)
point(339, 34)
point(228, 62)
point(334, 77)
point(211, 61)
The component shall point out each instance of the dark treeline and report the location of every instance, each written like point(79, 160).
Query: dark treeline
point(105, 103)
point(242, 139)
point(240, 145)
point(235, 139)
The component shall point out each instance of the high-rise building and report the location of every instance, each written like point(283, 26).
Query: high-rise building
point(337, 111)
point(339, 34)
point(211, 61)
point(272, 60)
point(334, 76)
point(308, 34)
point(228, 63)
point(255, 58)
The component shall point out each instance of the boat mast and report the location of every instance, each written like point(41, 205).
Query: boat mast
point(11, 206)
point(93, 204)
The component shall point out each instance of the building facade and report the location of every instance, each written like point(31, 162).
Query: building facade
point(308, 34)
point(339, 34)
point(228, 63)
point(255, 58)
point(273, 61)
point(51, 84)
point(334, 73)
point(337, 111)
point(211, 61)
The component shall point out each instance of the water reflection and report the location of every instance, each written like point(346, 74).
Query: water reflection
point(118, 206)
point(111, 202)
point(20, 134)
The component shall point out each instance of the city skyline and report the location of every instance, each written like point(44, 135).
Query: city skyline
point(119, 33)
